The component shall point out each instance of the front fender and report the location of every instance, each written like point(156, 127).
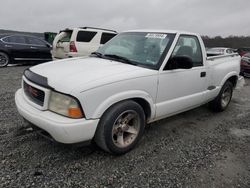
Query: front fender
point(124, 96)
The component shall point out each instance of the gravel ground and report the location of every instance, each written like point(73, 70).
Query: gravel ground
point(197, 148)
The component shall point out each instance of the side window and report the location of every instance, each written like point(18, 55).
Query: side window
point(85, 36)
point(106, 37)
point(189, 46)
point(15, 39)
point(6, 39)
point(34, 41)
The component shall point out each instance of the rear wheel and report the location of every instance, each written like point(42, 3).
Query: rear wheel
point(121, 127)
point(221, 102)
point(4, 59)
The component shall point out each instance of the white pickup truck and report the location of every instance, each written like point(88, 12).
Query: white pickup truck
point(136, 78)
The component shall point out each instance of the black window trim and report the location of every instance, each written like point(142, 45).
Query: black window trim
point(95, 34)
point(2, 39)
point(104, 33)
point(27, 44)
point(187, 35)
point(26, 37)
point(166, 50)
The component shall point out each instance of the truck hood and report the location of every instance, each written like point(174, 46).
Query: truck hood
point(80, 74)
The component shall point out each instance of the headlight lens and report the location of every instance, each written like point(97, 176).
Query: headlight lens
point(65, 105)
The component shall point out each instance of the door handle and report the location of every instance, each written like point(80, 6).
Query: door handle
point(32, 47)
point(8, 46)
point(203, 74)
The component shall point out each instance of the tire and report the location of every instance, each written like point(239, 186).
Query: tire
point(221, 102)
point(121, 127)
point(4, 59)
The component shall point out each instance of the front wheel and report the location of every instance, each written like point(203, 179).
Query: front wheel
point(221, 102)
point(4, 59)
point(121, 127)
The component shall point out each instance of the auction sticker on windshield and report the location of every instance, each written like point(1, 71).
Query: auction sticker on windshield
point(156, 35)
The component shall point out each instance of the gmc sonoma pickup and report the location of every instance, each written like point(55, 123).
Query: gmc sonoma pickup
point(136, 78)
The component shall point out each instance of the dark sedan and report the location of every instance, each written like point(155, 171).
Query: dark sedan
point(15, 48)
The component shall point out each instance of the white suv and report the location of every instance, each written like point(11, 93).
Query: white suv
point(80, 41)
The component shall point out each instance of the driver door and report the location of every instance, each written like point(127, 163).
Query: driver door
point(182, 89)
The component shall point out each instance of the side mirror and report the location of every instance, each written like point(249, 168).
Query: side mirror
point(180, 62)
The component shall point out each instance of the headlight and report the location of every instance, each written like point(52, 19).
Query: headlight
point(65, 105)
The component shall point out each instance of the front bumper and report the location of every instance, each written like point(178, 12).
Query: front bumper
point(62, 129)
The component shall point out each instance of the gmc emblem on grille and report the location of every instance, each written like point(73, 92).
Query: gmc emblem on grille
point(32, 91)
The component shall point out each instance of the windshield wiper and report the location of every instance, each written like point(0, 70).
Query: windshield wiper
point(120, 58)
point(97, 54)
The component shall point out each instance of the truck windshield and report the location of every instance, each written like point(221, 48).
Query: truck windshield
point(138, 48)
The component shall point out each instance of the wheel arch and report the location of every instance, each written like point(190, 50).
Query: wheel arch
point(140, 97)
point(233, 80)
point(8, 54)
point(145, 106)
point(232, 77)
point(4, 51)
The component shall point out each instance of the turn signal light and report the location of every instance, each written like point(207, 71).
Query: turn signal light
point(75, 113)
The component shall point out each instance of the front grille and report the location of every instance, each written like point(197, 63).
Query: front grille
point(34, 94)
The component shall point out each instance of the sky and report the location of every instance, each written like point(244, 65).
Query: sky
point(207, 17)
